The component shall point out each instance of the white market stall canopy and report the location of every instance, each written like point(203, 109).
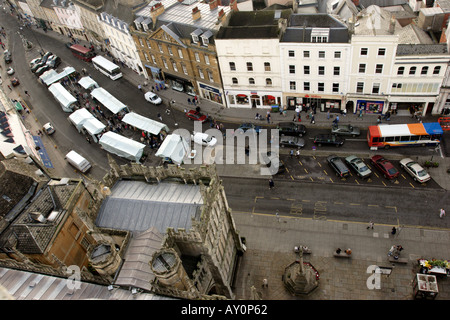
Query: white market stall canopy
point(122, 146)
point(106, 99)
point(79, 117)
point(93, 126)
point(143, 123)
point(88, 83)
point(63, 96)
point(51, 77)
point(173, 147)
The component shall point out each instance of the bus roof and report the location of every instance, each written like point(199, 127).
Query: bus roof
point(393, 130)
point(80, 48)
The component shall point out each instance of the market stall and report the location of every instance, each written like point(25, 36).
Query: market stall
point(94, 127)
point(79, 117)
point(145, 124)
point(88, 83)
point(65, 99)
point(122, 146)
point(52, 76)
point(174, 147)
point(425, 286)
point(108, 100)
point(434, 267)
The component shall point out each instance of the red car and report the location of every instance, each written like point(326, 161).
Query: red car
point(385, 167)
point(195, 115)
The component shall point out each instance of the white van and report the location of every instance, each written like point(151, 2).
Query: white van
point(204, 139)
point(78, 161)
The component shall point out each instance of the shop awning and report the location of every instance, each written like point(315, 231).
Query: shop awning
point(63, 96)
point(19, 106)
point(122, 146)
point(93, 126)
point(79, 117)
point(145, 124)
point(51, 77)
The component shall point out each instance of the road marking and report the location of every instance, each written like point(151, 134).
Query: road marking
point(376, 174)
point(338, 202)
point(300, 162)
point(392, 207)
point(331, 180)
point(373, 205)
point(314, 157)
point(412, 185)
point(384, 183)
point(325, 172)
point(355, 204)
point(306, 200)
point(305, 170)
point(292, 177)
point(357, 181)
point(403, 176)
point(311, 179)
point(320, 165)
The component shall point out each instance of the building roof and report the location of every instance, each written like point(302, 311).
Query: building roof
point(137, 206)
point(24, 285)
point(123, 9)
point(136, 271)
point(301, 26)
point(421, 49)
point(253, 24)
point(181, 13)
point(35, 226)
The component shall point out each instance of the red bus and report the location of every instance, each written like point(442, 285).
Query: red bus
point(82, 52)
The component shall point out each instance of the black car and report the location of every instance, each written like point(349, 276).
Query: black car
point(292, 142)
point(338, 166)
point(331, 139)
point(46, 56)
point(291, 129)
point(41, 70)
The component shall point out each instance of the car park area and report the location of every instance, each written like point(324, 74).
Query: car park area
point(318, 169)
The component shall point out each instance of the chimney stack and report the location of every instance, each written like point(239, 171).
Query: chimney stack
point(392, 25)
point(213, 4)
point(196, 14)
point(233, 5)
point(157, 10)
point(221, 16)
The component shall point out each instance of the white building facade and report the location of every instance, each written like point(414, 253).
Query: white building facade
point(315, 63)
point(121, 43)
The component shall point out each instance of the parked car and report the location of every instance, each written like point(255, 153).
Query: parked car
point(415, 170)
point(291, 129)
point(385, 167)
point(46, 56)
point(53, 61)
point(7, 56)
point(48, 128)
point(34, 61)
point(195, 115)
point(15, 82)
point(338, 166)
point(345, 130)
point(281, 166)
point(248, 126)
point(10, 71)
point(152, 98)
point(41, 70)
point(358, 165)
point(330, 139)
point(204, 139)
point(292, 142)
point(36, 66)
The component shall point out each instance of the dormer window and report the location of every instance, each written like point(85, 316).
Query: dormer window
point(195, 35)
point(205, 37)
point(320, 34)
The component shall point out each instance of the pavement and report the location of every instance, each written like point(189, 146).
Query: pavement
point(270, 242)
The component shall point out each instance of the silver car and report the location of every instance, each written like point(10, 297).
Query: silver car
point(345, 130)
point(415, 170)
point(292, 142)
point(358, 165)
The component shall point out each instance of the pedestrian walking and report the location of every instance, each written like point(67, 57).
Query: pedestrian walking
point(159, 116)
point(277, 215)
point(328, 115)
point(189, 101)
point(265, 283)
point(394, 230)
point(139, 87)
point(291, 153)
point(442, 213)
point(271, 184)
point(370, 226)
point(88, 140)
point(297, 153)
point(9, 87)
point(313, 121)
point(268, 118)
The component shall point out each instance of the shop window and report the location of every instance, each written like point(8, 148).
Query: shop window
point(242, 99)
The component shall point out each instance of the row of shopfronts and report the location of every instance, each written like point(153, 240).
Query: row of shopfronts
point(323, 103)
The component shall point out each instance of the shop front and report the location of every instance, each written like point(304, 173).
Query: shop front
point(179, 84)
point(210, 93)
point(411, 104)
point(364, 105)
point(253, 99)
point(155, 73)
point(320, 102)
